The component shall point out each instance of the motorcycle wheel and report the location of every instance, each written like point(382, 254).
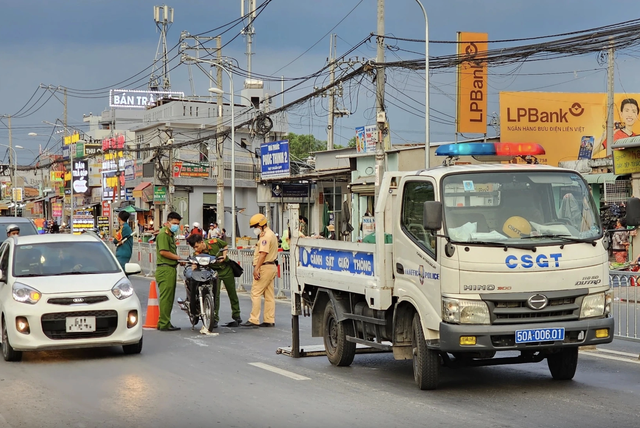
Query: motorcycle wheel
point(207, 312)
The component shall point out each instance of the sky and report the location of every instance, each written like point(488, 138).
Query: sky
point(90, 46)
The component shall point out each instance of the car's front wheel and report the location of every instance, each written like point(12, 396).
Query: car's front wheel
point(8, 353)
point(134, 348)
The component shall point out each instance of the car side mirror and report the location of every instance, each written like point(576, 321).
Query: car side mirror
point(633, 212)
point(132, 268)
point(432, 215)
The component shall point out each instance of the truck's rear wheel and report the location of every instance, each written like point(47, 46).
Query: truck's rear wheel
point(426, 362)
point(340, 352)
point(563, 364)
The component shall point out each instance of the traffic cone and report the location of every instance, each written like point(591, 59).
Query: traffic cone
point(153, 310)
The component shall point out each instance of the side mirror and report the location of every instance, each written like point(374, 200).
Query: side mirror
point(132, 268)
point(633, 212)
point(432, 215)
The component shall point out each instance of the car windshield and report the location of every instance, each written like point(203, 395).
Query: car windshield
point(519, 208)
point(63, 258)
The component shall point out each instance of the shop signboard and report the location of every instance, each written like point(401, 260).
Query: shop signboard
point(159, 194)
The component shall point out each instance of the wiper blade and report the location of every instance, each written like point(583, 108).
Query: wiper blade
point(567, 238)
point(72, 273)
point(27, 275)
point(498, 244)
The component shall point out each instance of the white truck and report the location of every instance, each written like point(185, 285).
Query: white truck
point(483, 259)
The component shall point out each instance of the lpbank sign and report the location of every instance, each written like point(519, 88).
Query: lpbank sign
point(125, 98)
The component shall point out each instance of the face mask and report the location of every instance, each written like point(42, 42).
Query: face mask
point(257, 231)
point(175, 228)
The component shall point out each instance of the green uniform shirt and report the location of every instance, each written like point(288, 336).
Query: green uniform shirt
point(165, 241)
point(215, 245)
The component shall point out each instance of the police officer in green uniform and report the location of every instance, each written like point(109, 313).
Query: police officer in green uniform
point(166, 265)
point(213, 247)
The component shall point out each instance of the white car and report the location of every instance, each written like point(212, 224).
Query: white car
point(65, 291)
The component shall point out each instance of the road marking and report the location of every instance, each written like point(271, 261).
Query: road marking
point(626, 354)
point(282, 372)
point(610, 357)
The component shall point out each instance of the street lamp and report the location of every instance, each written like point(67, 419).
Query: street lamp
point(233, 154)
point(15, 180)
point(427, 143)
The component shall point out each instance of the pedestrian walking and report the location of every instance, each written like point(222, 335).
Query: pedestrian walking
point(264, 273)
point(620, 244)
point(225, 274)
point(166, 265)
point(123, 239)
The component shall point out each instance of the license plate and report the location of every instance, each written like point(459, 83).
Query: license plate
point(539, 335)
point(81, 324)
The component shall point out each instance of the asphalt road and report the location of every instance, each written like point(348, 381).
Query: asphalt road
point(236, 379)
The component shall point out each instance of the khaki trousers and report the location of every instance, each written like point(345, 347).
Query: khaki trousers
point(264, 286)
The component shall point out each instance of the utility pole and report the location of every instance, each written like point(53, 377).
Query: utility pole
point(380, 114)
point(220, 144)
point(169, 193)
point(332, 91)
point(610, 87)
point(14, 185)
point(249, 31)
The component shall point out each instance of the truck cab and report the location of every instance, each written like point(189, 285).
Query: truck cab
point(488, 264)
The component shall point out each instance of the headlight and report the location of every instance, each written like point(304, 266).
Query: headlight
point(608, 299)
point(203, 260)
point(465, 311)
point(122, 289)
point(593, 306)
point(25, 294)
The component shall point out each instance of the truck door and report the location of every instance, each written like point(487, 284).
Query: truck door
point(416, 267)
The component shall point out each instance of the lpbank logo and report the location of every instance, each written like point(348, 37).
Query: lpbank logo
point(534, 115)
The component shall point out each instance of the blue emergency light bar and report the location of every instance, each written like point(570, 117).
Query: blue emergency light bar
point(490, 149)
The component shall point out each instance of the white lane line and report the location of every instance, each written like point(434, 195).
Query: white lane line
point(626, 354)
point(286, 373)
point(610, 357)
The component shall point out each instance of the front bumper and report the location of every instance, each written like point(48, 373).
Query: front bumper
point(502, 337)
point(45, 332)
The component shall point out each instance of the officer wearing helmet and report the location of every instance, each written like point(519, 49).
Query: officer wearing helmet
point(13, 230)
point(264, 273)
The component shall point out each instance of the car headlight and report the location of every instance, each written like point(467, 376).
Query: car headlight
point(459, 311)
point(25, 294)
point(608, 299)
point(122, 289)
point(593, 305)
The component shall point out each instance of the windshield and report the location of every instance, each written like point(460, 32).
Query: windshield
point(63, 258)
point(519, 207)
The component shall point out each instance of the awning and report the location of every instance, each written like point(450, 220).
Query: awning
point(132, 209)
point(600, 178)
point(137, 191)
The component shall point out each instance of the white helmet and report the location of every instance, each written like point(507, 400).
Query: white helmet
point(196, 224)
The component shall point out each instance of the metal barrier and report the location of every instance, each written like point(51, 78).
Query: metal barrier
point(625, 304)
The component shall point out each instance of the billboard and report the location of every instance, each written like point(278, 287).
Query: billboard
point(471, 105)
point(125, 98)
point(274, 157)
point(569, 126)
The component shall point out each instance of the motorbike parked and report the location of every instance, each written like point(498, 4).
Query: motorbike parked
point(200, 280)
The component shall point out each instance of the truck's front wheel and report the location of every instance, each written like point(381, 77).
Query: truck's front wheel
point(563, 364)
point(426, 362)
point(339, 351)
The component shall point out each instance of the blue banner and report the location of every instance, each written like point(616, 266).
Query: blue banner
point(274, 157)
point(335, 260)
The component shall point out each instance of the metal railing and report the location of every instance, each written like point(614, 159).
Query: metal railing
point(145, 255)
point(625, 304)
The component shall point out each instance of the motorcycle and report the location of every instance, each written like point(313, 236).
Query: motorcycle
point(200, 281)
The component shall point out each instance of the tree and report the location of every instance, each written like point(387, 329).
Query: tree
point(300, 146)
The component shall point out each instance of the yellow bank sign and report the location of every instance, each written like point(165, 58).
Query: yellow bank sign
point(569, 126)
point(471, 105)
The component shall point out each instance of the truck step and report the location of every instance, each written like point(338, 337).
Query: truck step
point(381, 346)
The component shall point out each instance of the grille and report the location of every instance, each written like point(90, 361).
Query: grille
point(70, 300)
point(54, 325)
point(512, 309)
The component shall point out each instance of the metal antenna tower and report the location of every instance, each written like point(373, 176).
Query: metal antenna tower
point(248, 30)
point(163, 17)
